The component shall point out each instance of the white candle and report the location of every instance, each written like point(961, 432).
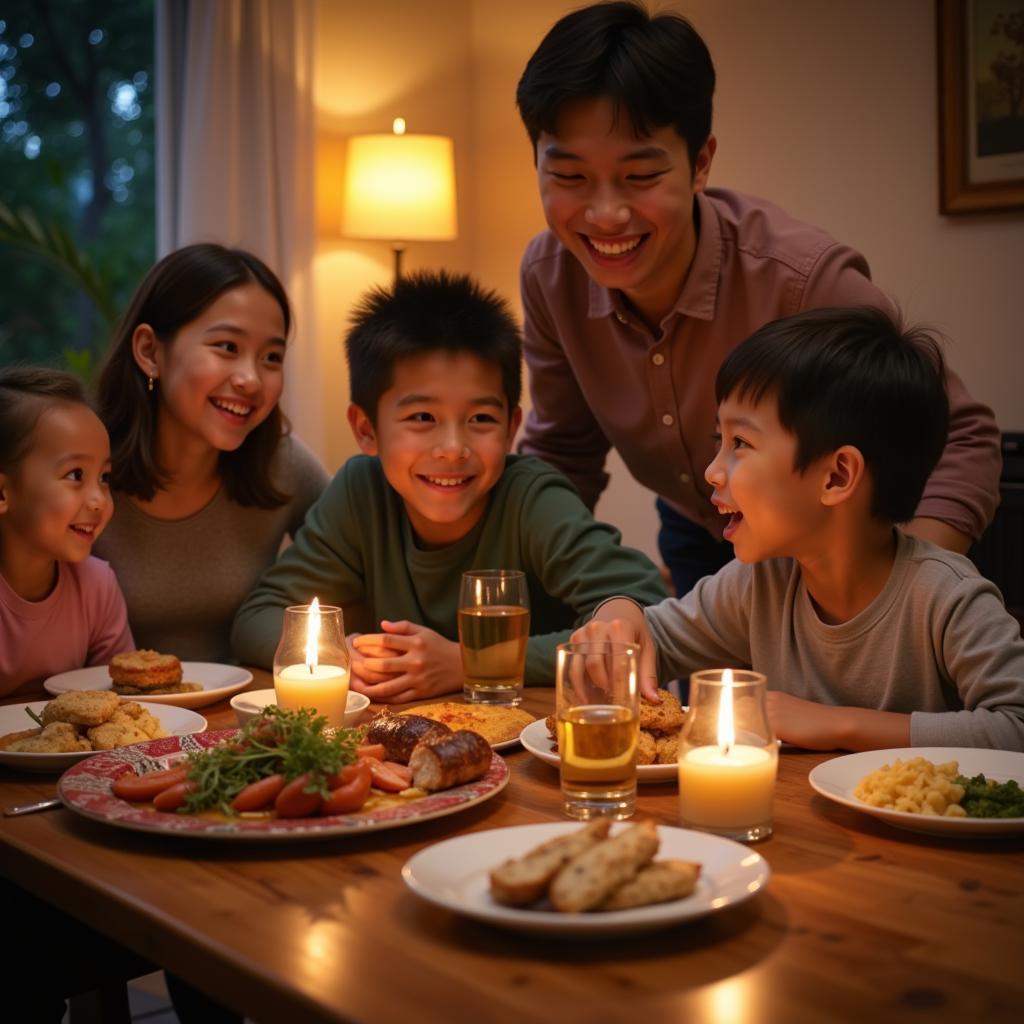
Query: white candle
point(730, 788)
point(321, 687)
point(324, 688)
point(728, 785)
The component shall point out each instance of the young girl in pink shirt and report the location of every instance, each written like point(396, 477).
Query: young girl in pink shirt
point(60, 609)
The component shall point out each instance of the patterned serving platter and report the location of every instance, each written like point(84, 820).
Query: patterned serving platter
point(85, 789)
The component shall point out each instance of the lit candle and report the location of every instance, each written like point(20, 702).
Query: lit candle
point(312, 685)
point(727, 787)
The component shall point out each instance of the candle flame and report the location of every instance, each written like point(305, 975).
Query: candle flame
point(313, 635)
point(398, 126)
point(726, 726)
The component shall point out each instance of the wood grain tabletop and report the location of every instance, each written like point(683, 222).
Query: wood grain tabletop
point(860, 921)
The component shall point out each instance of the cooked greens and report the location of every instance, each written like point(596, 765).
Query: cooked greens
point(985, 798)
point(277, 741)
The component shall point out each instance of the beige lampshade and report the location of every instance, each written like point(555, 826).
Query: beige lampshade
point(400, 188)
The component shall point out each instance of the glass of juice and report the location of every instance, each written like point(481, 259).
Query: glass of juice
point(311, 662)
point(597, 718)
point(494, 626)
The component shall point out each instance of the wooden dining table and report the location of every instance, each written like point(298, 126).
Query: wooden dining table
point(859, 921)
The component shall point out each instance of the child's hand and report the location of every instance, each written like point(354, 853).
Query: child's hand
point(369, 645)
point(414, 662)
point(804, 723)
point(627, 632)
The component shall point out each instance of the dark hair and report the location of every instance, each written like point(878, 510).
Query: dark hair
point(26, 392)
point(174, 292)
point(851, 376)
point(427, 312)
point(657, 68)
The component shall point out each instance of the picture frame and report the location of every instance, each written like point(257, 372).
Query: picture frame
point(981, 111)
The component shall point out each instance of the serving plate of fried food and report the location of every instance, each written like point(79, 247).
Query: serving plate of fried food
point(500, 726)
point(87, 789)
point(459, 875)
point(157, 679)
point(657, 752)
point(888, 783)
point(79, 724)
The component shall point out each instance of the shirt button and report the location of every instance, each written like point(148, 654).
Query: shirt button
point(657, 359)
point(684, 478)
point(621, 318)
point(668, 419)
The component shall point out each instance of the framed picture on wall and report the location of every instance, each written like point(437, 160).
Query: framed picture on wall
point(981, 105)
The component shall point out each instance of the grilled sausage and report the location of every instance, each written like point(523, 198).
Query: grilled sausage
point(446, 761)
point(399, 734)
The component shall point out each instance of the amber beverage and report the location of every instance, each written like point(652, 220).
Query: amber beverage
point(494, 627)
point(597, 718)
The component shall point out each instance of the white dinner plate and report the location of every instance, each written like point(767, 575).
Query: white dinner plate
point(218, 683)
point(454, 875)
point(175, 721)
point(537, 741)
point(836, 779)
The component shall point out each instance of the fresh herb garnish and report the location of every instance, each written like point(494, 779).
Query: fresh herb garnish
point(984, 798)
point(35, 718)
point(283, 742)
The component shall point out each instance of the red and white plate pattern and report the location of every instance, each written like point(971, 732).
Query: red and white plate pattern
point(85, 789)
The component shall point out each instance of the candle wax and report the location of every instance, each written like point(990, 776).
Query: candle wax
point(325, 689)
point(731, 789)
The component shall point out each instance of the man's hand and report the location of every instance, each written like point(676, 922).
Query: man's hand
point(406, 662)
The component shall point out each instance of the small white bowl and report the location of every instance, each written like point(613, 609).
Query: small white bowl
point(249, 704)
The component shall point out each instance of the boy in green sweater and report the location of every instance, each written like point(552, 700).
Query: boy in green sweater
point(434, 367)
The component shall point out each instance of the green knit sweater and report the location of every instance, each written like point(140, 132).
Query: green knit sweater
point(357, 550)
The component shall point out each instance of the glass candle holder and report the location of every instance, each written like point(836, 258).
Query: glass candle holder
point(311, 662)
point(728, 757)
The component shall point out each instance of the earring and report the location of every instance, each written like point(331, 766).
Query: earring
point(149, 384)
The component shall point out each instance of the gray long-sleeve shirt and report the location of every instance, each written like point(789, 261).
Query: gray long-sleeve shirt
point(936, 643)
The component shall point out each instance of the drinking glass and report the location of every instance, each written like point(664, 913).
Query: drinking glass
point(494, 626)
point(311, 662)
point(597, 716)
point(728, 756)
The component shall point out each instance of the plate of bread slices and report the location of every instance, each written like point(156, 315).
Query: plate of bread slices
point(156, 677)
point(593, 879)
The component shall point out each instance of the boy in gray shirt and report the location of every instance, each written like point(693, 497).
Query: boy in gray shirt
point(830, 422)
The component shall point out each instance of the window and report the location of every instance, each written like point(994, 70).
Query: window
point(76, 153)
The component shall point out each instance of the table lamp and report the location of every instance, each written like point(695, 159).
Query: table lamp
point(400, 188)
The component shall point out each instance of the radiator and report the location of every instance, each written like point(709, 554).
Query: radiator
point(999, 555)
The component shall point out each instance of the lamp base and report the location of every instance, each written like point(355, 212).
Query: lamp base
point(398, 248)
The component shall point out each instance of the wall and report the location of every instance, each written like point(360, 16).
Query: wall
point(828, 109)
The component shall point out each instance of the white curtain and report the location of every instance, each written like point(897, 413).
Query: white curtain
point(236, 153)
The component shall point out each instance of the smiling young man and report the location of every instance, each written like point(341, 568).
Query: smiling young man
point(830, 422)
point(434, 367)
point(647, 279)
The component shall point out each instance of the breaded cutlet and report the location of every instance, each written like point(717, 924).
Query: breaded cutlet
point(56, 738)
point(81, 707)
point(145, 669)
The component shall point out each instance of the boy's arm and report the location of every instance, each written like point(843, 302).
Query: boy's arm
point(813, 726)
point(980, 649)
point(325, 561)
point(560, 427)
point(576, 560)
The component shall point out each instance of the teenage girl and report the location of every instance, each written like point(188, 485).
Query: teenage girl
point(207, 480)
point(60, 609)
